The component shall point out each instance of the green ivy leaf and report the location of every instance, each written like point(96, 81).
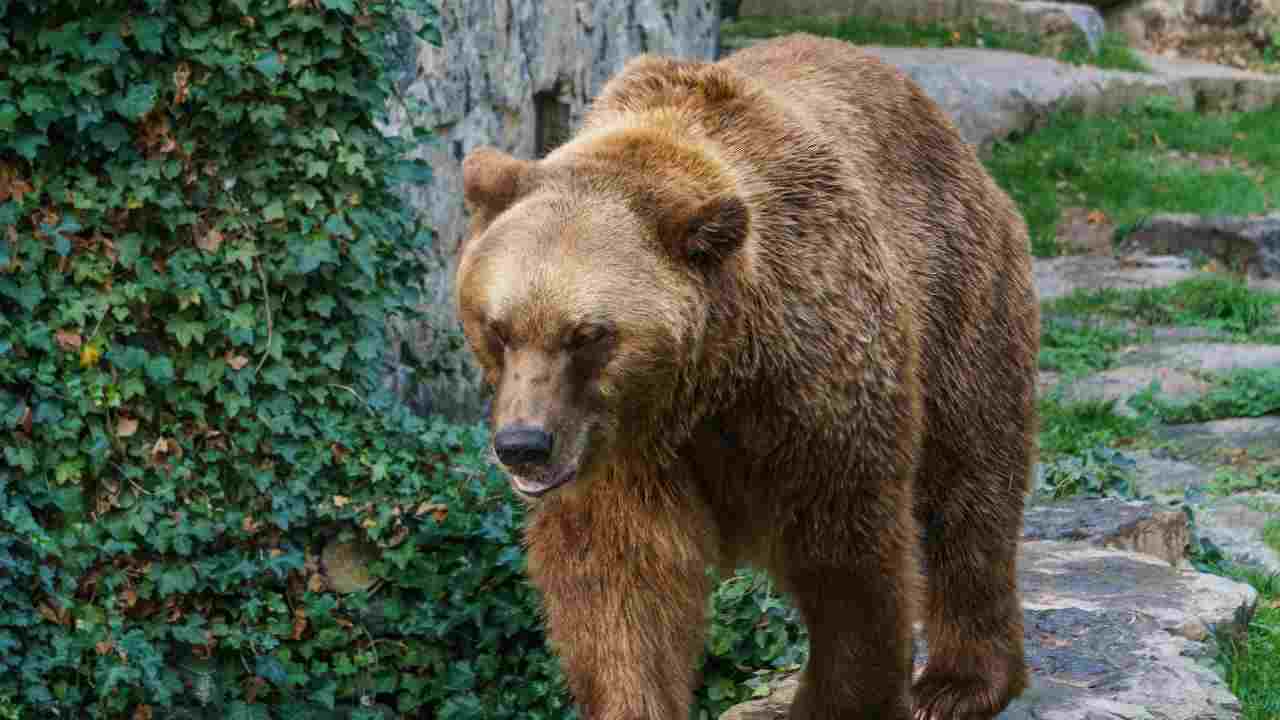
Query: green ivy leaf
point(148, 32)
point(160, 370)
point(8, 117)
point(137, 100)
point(28, 294)
point(273, 211)
point(187, 330)
point(313, 253)
point(344, 6)
point(269, 64)
point(175, 579)
point(29, 144)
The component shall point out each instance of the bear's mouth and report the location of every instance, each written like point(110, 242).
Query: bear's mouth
point(540, 483)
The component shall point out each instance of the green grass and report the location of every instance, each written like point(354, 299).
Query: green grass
point(1252, 665)
point(1271, 534)
point(1080, 347)
point(1119, 164)
point(1250, 392)
point(1113, 52)
point(1230, 480)
point(1214, 301)
point(1073, 428)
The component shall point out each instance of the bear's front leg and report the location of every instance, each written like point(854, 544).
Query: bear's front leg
point(850, 571)
point(624, 584)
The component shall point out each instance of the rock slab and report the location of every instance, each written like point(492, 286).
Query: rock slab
point(1056, 277)
point(993, 94)
point(1249, 244)
point(1141, 527)
point(1109, 634)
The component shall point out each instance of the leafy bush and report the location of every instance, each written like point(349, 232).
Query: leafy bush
point(1095, 472)
point(208, 505)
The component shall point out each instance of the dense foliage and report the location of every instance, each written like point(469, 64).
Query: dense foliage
point(208, 507)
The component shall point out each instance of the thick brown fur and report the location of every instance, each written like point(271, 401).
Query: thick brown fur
point(773, 311)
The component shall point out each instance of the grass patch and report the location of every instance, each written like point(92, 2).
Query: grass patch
point(1252, 666)
point(1271, 534)
point(1119, 164)
point(1078, 346)
point(1229, 481)
point(1251, 392)
point(1074, 428)
point(1113, 52)
point(1215, 301)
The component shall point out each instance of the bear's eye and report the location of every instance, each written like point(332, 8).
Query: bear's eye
point(588, 336)
point(499, 333)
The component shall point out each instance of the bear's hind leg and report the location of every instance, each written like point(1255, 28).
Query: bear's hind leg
point(971, 522)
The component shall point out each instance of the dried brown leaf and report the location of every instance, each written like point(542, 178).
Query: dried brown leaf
point(68, 339)
point(210, 242)
point(127, 427)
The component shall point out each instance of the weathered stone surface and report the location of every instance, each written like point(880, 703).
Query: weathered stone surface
point(1220, 439)
point(1055, 277)
point(1249, 244)
point(1151, 21)
point(1122, 383)
point(517, 75)
point(1205, 357)
point(1168, 480)
point(1109, 634)
point(1029, 16)
point(1141, 527)
point(1236, 526)
point(992, 94)
point(1233, 524)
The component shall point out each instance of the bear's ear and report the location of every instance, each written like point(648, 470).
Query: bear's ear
point(491, 180)
point(709, 231)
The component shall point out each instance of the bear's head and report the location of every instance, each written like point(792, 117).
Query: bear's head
point(592, 284)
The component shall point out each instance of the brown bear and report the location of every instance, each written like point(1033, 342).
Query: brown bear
point(769, 310)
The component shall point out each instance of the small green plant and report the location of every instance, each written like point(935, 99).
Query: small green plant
point(1095, 472)
point(755, 633)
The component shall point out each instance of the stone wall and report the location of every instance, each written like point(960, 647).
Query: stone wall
point(516, 74)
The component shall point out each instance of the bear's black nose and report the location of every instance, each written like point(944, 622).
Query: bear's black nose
point(522, 446)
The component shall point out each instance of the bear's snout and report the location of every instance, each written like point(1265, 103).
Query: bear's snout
point(523, 446)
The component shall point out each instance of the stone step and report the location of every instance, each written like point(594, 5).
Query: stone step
point(1108, 633)
point(1183, 370)
point(992, 94)
point(1059, 276)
